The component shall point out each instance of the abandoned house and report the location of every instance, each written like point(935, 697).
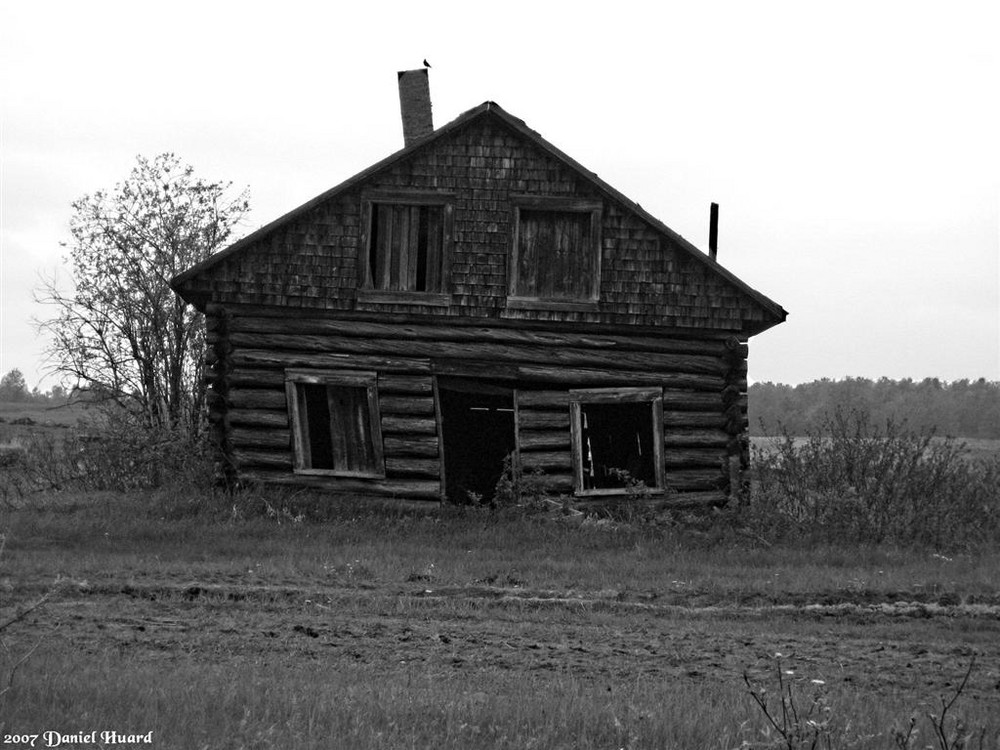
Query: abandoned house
point(475, 296)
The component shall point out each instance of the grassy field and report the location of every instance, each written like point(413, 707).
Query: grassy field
point(212, 626)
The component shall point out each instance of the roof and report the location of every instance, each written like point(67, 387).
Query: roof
point(487, 109)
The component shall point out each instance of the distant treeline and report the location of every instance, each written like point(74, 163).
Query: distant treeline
point(962, 408)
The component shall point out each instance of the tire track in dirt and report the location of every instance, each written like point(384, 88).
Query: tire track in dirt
point(880, 647)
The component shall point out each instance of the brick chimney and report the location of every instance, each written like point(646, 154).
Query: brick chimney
point(415, 105)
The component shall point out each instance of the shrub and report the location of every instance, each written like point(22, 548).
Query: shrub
point(854, 481)
point(116, 452)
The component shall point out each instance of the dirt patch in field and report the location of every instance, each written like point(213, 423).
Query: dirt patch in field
point(881, 646)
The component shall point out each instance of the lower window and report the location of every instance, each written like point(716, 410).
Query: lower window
point(617, 438)
point(335, 423)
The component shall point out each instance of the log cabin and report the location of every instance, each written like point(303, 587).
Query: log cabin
point(477, 298)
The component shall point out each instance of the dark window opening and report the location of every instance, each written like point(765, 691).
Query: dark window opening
point(617, 445)
point(406, 248)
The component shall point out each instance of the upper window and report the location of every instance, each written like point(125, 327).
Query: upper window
point(335, 423)
point(617, 436)
point(556, 251)
point(407, 241)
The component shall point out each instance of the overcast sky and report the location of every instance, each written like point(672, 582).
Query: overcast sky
point(854, 147)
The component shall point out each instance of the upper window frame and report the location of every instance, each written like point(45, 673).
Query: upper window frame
point(593, 207)
point(367, 292)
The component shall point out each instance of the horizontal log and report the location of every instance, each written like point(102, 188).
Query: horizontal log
point(409, 405)
point(578, 377)
point(408, 425)
point(401, 489)
point(680, 458)
point(674, 400)
point(535, 440)
point(547, 460)
point(672, 419)
point(259, 358)
point(543, 420)
point(471, 369)
point(256, 398)
point(696, 479)
point(554, 482)
point(258, 418)
point(696, 438)
point(256, 378)
point(464, 333)
point(482, 352)
point(411, 385)
point(263, 458)
point(682, 500)
point(245, 437)
point(412, 467)
point(425, 446)
point(543, 399)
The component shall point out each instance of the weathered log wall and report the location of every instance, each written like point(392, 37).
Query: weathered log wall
point(703, 382)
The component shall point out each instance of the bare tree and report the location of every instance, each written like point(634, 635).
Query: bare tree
point(121, 333)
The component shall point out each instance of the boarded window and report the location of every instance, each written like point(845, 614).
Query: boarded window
point(556, 251)
point(335, 423)
point(617, 438)
point(406, 247)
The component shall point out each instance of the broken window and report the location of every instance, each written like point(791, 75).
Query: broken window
point(335, 423)
point(617, 438)
point(407, 239)
point(556, 255)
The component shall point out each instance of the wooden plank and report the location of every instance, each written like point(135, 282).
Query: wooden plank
point(248, 437)
point(674, 400)
point(686, 458)
point(272, 459)
point(695, 479)
point(693, 419)
point(412, 467)
point(425, 446)
point(393, 425)
point(258, 418)
point(544, 420)
point(411, 385)
point(402, 489)
point(547, 460)
point(543, 399)
point(696, 438)
point(255, 398)
point(579, 376)
point(409, 405)
point(532, 440)
point(257, 378)
point(253, 358)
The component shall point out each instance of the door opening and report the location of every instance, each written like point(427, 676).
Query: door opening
point(477, 433)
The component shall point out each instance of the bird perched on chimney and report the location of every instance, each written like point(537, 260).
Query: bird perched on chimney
point(426, 64)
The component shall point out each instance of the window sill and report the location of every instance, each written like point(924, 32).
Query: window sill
point(427, 299)
point(533, 303)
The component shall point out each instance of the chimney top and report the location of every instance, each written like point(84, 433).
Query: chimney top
point(713, 231)
point(415, 105)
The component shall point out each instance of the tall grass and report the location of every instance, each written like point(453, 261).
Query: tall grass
point(854, 481)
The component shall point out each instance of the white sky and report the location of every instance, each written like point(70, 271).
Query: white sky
point(854, 147)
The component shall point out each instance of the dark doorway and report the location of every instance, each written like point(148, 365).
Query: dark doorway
point(478, 433)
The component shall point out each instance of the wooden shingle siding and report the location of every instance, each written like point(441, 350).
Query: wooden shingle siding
point(316, 261)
